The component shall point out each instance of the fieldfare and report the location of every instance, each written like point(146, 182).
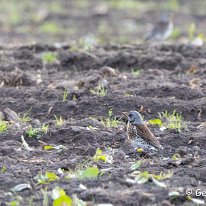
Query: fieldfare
point(162, 30)
point(139, 134)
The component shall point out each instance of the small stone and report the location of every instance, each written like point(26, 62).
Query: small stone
point(11, 115)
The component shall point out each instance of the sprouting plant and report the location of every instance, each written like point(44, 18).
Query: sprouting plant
point(74, 98)
point(135, 72)
point(3, 126)
point(176, 33)
point(3, 169)
point(191, 31)
point(25, 117)
point(59, 121)
point(45, 128)
point(110, 121)
point(88, 172)
point(172, 120)
point(145, 176)
point(99, 90)
point(50, 28)
point(49, 57)
point(32, 132)
point(99, 156)
point(65, 95)
point(31, 199)
point(45, 197)
point(44, 179)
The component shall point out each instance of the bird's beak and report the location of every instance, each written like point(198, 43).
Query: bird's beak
point(125, 114)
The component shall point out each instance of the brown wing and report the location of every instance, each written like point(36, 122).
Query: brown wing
point(147, 135)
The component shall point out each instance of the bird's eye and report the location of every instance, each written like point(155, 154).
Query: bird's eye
point(130, 115)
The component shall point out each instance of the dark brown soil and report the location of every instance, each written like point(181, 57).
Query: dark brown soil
point(164, 83)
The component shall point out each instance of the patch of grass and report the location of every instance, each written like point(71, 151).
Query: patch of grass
point(32, 132)
point(110, 121)
point(45, 196)
point(49, 58)
point(135, 72)
point(65, 95)
point(99, 90)
point(100, 156)
point(25, 117)
point(45, 128)
point(87, 42)
point(3, 169)
point(172, 5)
point(59, 121)
point(3, 126)
point(50, 28)
point(74, 98)
point(176, 33)
point(172, 120)
point(88, 172)
point(191, 31)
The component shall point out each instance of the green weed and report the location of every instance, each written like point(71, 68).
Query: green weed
point(135, 72)
point(32, 132)
point(99, 90)
point(65, 95)
point(3, 126)
point(49, 57)
point(110, 121)
point(172, 120)
point(59, 121)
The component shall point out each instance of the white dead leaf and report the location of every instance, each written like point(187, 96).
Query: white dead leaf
point(105, 204)
point(25, 145)
point(130, 181)
point(20, 187)
point(56, 192)
point(60, 171)
point(83, 187)
point(198, 201)
point(163, 128)
point(60, 147)
point(174, 194)
point(156, 182)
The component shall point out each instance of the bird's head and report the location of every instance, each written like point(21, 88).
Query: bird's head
point(135, 118)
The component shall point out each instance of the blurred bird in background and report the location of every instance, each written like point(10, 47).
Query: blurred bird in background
point(162, 30)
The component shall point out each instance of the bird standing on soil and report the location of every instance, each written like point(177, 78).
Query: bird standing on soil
point(162, 30)
point(139, 134)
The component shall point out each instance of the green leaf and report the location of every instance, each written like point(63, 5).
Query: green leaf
point(155, 122)
point(13, 203)
point(63, 201)
point(48, 147)
point(99, 156)
point(175, 156)
point(142, 177)
point(51, 176)
point(90, 172)
point(136, 165)
point(48, 177)
point(3, 169)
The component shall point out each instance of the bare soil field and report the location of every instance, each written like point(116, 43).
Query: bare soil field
point(51, 95)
